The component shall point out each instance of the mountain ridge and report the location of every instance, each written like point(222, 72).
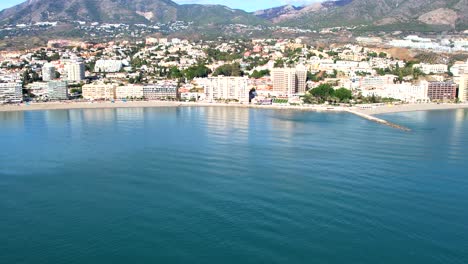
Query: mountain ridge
point(378, 14)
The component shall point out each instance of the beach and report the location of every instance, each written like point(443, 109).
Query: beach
point(320, 108)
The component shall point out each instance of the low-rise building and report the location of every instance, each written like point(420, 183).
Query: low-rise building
point(11, 92)
point(129, 91)
point(98, 91)
point(161, 90)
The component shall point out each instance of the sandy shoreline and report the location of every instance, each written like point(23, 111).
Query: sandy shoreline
point(387, 109)
point(319, 108)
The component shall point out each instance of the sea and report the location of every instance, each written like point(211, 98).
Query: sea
point(232, 185)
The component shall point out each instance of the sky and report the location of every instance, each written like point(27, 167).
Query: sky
point(248, 5)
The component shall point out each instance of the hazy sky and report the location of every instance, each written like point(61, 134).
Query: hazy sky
point(248, 5)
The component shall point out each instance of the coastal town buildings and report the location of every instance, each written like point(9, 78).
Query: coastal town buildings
point(289, 81)
point(48, 72)
point(75, 71)
point(432, 68)
point(108, 66)
point(225, 88)
point(160, 90)
point(57, 90)
point(442, 91)
point(129, 91)
point(11, 92)
point(99, 91)
point(463, 86)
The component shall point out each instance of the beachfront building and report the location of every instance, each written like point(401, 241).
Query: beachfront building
point(406, 92)
point(289, 81)
point(463, 86)
point(57, 90)
point(75, 71)
point(129, 91)
point(160, 90)
point(99, 91)
point(442, 91)
point(225, 88)
point(48, 72)
point(11, 92)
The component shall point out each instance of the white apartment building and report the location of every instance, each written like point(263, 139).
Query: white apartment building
point(75, 71)
point(160, 90)
point(99, 91)
point(11, 92)
point(376, 81)
point(57, 90)
point(462, 82)
point(108, 66)
point(129, 91)
point(223, 88)
point(432, 68)
point(405, 92)
point(48, 72)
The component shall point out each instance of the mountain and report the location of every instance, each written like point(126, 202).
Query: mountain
point(379, 14)
point(414, 15)
point(122, 11)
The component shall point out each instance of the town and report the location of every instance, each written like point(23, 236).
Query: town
point(239, 71)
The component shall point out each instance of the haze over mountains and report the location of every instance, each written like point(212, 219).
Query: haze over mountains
point(435, 14)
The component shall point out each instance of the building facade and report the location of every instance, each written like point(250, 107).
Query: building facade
point(75, 71)
point(48, 72)
point(440, 91)
point(463, 86)
point(289, 81)
point(162, 90)
point(99, 91)
point(225, 88)
point(129, 91)
point(108, 66)
point(11, 92)
point(57, 90)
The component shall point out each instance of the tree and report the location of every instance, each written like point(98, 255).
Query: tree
point(198, 70)
point(323, 92)
point(382, 55)
point(229, 70)
point(343, 94)
point(259, 74)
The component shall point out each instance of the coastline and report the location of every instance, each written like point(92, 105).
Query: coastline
point(145, 104)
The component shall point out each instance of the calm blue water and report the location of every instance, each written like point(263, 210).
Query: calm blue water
point(232, 185)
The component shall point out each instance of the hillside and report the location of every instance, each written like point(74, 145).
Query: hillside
point(121, 11)
point(383, 14)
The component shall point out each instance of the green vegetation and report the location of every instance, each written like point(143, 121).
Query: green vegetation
point(326, 93)
point(229, 70)
point(259, 74)
point(199, 70)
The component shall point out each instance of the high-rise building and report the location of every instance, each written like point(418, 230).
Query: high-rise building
point(48, 72)
point(75, 71)
point(225, 88)
point(11, 92)
point(442, 91)
point(463, 86)
point(98, 91)
point(288, 81)
point(57, 90)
